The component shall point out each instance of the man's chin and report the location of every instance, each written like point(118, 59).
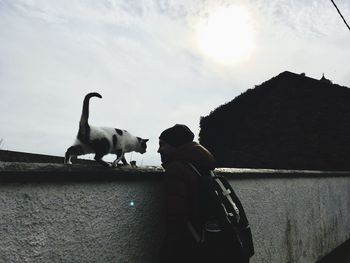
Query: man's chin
point(164, 159)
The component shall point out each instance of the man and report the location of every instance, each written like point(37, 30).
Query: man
point(178, 152)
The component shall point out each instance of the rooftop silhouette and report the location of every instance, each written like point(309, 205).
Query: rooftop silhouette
point(288, 122)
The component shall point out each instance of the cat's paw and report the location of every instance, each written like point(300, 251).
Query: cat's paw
point(108, 165)
point(114, 165)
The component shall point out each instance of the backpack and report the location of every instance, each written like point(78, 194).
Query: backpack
point(221, 222)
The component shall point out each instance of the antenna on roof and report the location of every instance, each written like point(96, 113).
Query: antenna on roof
point(324, 80)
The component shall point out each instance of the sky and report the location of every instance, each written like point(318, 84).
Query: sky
point(155, 62)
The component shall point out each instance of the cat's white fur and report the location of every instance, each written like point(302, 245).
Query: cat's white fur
point(103, 140)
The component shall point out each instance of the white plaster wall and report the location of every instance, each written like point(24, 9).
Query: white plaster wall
point(293, 219)
point(296, 219)
point(80, 222)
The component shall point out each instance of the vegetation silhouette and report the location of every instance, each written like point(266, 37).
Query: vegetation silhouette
point(288, 122)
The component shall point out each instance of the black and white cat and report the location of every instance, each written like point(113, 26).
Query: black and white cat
point(103, 140)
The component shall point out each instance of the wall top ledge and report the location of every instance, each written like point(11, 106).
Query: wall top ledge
point(16, 172)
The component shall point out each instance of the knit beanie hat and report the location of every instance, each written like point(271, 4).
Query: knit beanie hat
point(177, 135)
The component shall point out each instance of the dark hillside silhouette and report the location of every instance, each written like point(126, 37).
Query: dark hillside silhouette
point(289, 122)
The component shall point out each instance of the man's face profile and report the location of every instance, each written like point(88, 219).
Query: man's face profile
point(165, 150)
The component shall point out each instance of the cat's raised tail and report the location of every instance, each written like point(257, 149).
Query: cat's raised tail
point(84, 128)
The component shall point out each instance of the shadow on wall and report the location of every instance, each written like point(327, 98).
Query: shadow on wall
point(339, 255)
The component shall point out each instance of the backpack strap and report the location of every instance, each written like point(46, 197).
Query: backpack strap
point(194, 168)
point(225, 191)
point(212, 174)
point(198, 237)
point(194, 233)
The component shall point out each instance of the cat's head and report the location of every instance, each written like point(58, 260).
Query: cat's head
point(142, 145)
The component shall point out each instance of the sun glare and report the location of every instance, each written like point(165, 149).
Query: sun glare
point(226, 35)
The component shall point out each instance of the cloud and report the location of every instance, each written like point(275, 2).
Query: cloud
point(142, 57)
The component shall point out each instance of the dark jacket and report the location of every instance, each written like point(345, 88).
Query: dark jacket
point(181, 204)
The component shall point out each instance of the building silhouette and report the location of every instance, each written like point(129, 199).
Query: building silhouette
point(288, 122)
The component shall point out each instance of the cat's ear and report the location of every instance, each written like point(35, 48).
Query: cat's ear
point(145, 140)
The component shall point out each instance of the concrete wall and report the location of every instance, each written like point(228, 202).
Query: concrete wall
point(54, 213)
point(296, 219)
